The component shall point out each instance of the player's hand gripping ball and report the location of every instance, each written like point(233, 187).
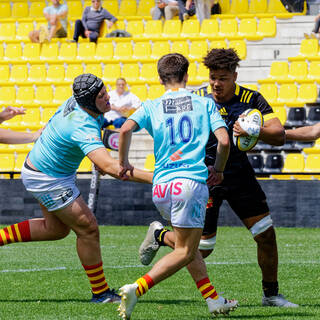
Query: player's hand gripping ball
point(251, 123)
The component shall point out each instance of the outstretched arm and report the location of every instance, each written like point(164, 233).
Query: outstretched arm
point(10, 112)
point(308, 133)
point(14, 137)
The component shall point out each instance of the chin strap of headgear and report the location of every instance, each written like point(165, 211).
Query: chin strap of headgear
point(85, 90)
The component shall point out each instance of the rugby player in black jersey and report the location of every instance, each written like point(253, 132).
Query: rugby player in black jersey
point(240, 187)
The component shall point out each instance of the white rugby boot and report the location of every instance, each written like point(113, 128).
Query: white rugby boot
point(221, 305)
point(150, 246)
point(278, 301)
point(128, 300)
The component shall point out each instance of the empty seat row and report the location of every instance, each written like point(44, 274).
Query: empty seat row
point(309, 50)
point(292, 162)
point(289, 94)
point(296, 71)
point(247, 28)
point(46, 97)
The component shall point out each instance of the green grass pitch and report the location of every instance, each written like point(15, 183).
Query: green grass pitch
point(46, 281)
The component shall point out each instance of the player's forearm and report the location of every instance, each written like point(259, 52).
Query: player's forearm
point(273, 132)
point(13, 137)
point(223, 150)
point(309, 133)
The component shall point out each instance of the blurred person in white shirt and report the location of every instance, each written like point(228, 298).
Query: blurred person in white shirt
point(165, 8)
point(123, 104)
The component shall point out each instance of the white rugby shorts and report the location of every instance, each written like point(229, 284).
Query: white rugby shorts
point(182, 201)
point(53, 193)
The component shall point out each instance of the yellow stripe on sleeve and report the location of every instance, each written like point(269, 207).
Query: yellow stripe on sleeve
point(17, 232)
point(3, 237)
point(11, 234)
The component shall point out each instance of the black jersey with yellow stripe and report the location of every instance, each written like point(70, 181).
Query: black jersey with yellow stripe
point(230, 111)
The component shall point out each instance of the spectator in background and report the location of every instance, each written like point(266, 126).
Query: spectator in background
point(56, 15)
point(203, 9)
point(123, 104)
point(92, 21)
point(316, 29)
point(186, 9)
point(165, 8)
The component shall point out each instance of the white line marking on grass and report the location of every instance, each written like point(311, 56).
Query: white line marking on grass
point(35, 270)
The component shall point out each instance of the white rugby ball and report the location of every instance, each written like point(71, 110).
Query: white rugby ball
point(251, 123)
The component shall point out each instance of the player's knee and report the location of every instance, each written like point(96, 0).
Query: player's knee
point(267, 235)
point(87, 226)
point(206, 246)
point(263, 228)
point(62, 232)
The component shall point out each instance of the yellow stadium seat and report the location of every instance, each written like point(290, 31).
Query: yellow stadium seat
point(218, 44)
point(20, 10)
point(135, 28)
point(269, 92)
point(111, 72)
point(140, 91)
point(314, 71)
point(159, 49)
point(181, 47)
point(314, 149)
point(229, 28)
point(153, 29)
point(155, 91)
point(116, 26)
point(309, 49)
point(145, 7)
point(25, 96)
point(104, 51)
point(276, 7)
point(278, 72)
point(312, 163)
point(308, 93)
point(202, 73)
point(287, 95)
point(198, 49)
point(7, 162)
point(111, 6)
point(31, 119)
point(128, 8)
point(294, 162)
point(225, 6)
point(19, 161)
point(61, 94)
point(298, 71)
point(258, 6)
point(31, 52)
point(44, 95)
point(36, 9)
point(7, 31)
point(75, 9)
point(171, 29)
point(192, 73)
point(149, 162)
point(281, 114)
point(86, 51)
point(23, 30)
point(142, 51)
point(130, 71)
point(248, 29)
point(85, 165)
point(149, 73)
point(251, 86)
point(4, 73)
point(19, 73)
point(46, 115)
point(49, 52)
point(240, 47)
point(55, 73)
point(5, 10)
point(94, 68)
point(73, 70)
point(7, 96)
point(239, 7)
point(267, 27)
point(37, 73)
point(209, 29)
point(123, 51)
point(68, 52)
point(190, 29)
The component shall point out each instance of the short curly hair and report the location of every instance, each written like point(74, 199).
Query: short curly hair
point(222, 59)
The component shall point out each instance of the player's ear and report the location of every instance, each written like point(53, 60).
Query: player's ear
point(185, 78)
point(235, 76)
point(161, 82)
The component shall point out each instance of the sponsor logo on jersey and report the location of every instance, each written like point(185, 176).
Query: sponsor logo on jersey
point(176, 155)
point(92, 138)
point(175, 165)
point(177, 105)
point(174, 189)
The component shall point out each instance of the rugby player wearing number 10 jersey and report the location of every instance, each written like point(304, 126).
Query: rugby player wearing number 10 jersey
point(180, 123)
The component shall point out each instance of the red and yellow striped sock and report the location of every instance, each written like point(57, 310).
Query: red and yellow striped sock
point(144, 284)
point(96, 277)
point(207, 289)
point(19, 232)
